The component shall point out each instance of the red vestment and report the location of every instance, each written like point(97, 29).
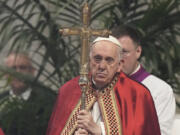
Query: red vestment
point(1, 132)
point(134, 106)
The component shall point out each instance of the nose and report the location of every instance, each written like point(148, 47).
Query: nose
point(102, 65)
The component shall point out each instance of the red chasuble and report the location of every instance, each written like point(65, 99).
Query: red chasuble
point(1, 132)
point(126, 108)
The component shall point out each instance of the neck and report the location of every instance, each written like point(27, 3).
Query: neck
point(101, 87)
point(19, 91)
point(96, 86)
point(135, 69)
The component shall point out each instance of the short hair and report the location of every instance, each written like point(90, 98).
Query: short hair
point(124, 30)
point(20, 54)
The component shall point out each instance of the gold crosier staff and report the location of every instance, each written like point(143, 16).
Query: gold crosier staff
point(85, 33)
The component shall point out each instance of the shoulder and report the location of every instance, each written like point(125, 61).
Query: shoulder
point(132, 85)
point(155, 80)
point(73, 83)
point(157, 85)
point(40, 93)
point(128, 89)
point(71, 87)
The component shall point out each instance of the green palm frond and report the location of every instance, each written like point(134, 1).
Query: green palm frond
point(159, 22)
point(33, 26)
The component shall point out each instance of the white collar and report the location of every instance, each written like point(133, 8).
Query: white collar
point(25, 95)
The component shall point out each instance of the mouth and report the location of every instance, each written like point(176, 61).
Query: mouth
point(101, 75)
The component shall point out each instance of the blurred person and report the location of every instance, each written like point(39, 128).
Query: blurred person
point(161, 92)
point(1, 132)
point(20, 62)
point(27, 109)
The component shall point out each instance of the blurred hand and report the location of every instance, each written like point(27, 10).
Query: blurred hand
point(85, 121)
point(81, 132)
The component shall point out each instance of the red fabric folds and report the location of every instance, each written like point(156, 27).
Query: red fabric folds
point(135, 105)
point(136, 108)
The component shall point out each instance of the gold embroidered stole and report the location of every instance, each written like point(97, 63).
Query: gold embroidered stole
point(71, 124)
point(109, 112)
point(108, 107)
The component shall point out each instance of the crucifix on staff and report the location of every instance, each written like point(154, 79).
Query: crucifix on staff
point(106, 101)
point(85, 33)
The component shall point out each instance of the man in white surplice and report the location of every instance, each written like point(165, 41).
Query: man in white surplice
point(161, 92)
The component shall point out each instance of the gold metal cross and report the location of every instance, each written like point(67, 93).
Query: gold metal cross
point(85, 33)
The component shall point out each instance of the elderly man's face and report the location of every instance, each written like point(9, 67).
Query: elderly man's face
point(22, 64)
point(104, 62)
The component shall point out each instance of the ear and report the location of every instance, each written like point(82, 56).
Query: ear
point(138, 51)
point(120, 65)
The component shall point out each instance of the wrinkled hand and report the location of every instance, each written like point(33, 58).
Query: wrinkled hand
point(85, 121)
